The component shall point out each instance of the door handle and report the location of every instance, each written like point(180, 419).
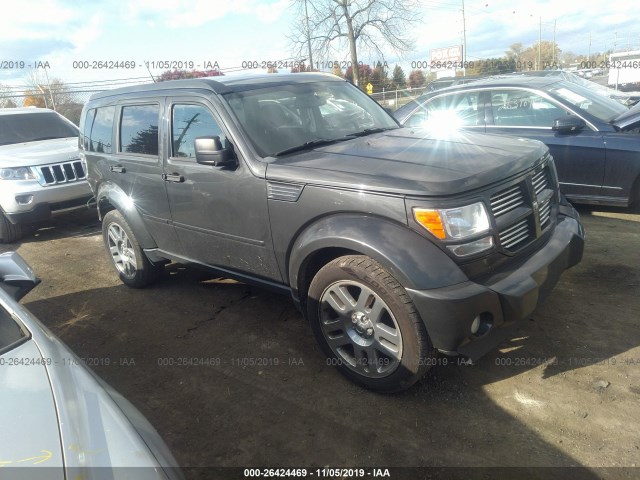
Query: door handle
point(172, 177)
point(117, 169)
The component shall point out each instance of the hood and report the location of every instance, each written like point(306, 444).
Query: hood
point(408, 161)
point(30, 436)
point(629, 119)
point(79, 421)
point(42, 152)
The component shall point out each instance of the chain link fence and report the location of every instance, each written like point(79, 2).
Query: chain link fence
point(69, 102)
point(394, 99)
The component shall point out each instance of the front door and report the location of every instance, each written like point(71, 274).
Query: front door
point(219, 213)
point(580, 157)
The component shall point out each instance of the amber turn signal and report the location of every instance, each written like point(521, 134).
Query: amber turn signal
point(431, 220)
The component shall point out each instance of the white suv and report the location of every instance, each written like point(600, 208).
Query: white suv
point(40, 171)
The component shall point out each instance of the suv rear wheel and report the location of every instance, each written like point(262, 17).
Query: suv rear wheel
point(367, 325)
point(9, 232)
point(127, 257)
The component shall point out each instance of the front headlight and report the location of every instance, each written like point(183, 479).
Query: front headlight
point(458, 224)
point(16, 173)
point(454, 223)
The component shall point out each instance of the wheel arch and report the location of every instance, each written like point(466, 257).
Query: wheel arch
point(410, 258)
point(111, 197)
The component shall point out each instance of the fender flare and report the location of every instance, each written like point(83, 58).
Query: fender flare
point(412, 259)
point(116, 197)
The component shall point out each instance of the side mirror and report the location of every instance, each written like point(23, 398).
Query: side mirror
point(16, 277)
point(568, 124)
point(209, 151)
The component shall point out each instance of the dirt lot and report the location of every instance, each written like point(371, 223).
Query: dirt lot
point(563, 393)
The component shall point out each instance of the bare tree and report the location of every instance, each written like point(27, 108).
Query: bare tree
point(43, 91)
point(7, 97)
point(374, 25)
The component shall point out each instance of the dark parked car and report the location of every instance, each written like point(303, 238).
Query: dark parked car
point(594, 140)
point(393, 244)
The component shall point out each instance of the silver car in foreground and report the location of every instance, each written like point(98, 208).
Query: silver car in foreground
point(58, 420)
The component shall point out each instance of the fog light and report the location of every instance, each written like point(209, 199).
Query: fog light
point(24, 199)
point(481, 324)
point(471, 248)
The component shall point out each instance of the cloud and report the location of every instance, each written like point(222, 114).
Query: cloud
point(194, 13)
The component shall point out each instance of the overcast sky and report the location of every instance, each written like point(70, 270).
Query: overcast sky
point(232, 31)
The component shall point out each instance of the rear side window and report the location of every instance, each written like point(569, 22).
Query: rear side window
point(460, 109)
point(99, 126)
point(139, 129)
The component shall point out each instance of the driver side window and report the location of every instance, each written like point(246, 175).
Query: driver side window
point(189, 122)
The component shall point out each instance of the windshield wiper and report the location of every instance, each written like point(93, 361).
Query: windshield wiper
point(321, 142)
point(369, 131)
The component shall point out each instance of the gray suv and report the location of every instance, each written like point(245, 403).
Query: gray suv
point(394, 244)
point(40, 171)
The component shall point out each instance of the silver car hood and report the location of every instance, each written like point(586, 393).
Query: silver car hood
point(30, 435)
point(42, 152)
point(96, 427)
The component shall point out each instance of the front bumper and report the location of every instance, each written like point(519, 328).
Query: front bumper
point(26, 201)
point(502, 301)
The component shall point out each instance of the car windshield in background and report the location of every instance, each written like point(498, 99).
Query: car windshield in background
point(31, 127)
point(294, 117)
point(582, 98)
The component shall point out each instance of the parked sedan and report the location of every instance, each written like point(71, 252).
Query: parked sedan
point(58, 418)
point(594, 140)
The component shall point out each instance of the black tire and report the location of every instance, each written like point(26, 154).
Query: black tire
point(126, 256)
point(9, 233)
point(634, 204)
point(396, 339)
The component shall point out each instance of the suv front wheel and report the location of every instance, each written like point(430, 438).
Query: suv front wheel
point(127, 257)
point(367, 325)
point(9, 232)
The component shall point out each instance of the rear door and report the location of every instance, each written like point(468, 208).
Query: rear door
point(463, 109)
point(137, 167)
point(219, 213)
point(580, 157)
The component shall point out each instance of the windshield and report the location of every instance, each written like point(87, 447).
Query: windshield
point(586, 100)
point(279, 119)
point(30, 127)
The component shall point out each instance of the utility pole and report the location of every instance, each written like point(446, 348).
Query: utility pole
point(306, 17)
point(539, 67)
point(464, 41)
point(589, 58)
point(554, 42)
point(50, 92)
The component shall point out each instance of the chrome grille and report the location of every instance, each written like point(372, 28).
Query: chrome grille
point(516, 234)
point(523, 211)
point(507, 200)
point(540, 181)
point(545, 214)
point(62, 173)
